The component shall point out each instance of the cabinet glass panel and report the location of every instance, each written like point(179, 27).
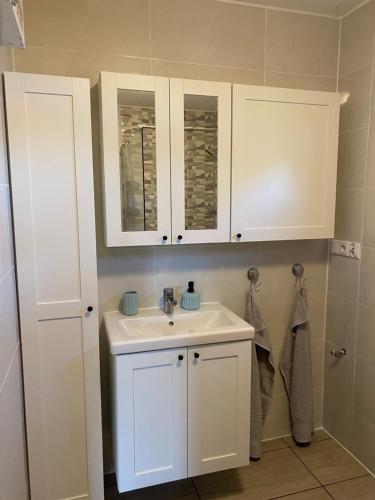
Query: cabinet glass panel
point(200, 144)
point(137, 151)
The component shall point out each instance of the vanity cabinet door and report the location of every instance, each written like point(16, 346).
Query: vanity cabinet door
point(218, 406)
point(284, 163)
point(135, 159)
point(200, 161)
point(150, 412)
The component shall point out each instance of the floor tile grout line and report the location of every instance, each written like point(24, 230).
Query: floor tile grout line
point(296, 493)
point(311, 472)
point(348, 479)
point(328, 493)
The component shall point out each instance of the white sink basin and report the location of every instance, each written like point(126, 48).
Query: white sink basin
point(152, 329)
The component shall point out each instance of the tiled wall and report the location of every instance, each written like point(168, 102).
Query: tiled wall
point(349, 393)
point(209, 40)
point(137, 169)
point(13, 482)
point(200, 169)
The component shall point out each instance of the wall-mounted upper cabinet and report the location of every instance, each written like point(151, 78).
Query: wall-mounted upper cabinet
point(171, 176)
point(200, 160)
point(136, 159)
point(284, 163)
point(140, 137)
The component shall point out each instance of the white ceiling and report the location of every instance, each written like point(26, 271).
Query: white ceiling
point(337, 8)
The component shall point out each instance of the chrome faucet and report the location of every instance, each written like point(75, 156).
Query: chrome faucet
point(168, 301)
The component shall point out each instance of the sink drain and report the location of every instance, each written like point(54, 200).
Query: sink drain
point(171, 323)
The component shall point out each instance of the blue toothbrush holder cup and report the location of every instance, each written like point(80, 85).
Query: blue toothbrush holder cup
point(129, 303)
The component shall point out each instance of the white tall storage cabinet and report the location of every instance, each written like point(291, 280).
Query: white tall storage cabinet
point(49, 133)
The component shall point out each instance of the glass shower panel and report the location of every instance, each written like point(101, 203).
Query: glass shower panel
point(137, 155)
point(200, 138)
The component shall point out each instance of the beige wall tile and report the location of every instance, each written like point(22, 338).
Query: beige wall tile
point(6, 241)
point(364, 394)
point(6, 60)
point(12, 451)
point(277, 259)
point(301, 44)
point(355, 112)
point(205, 72)
point(318, 406)
point(357, 32)
point(9, 322)
point(363, 437)
point(341, 321)
point(343, 276)
point(370, 171)
point(121, 269)
point(369, 219)
point(278, 419)
point(339, 373)
point(352, 159)
point(292, 81)
point(349, 209)
point(4, 177)
point(338, 418)
point(317, 355)
point(366, 334)
point(219, 271)
point(208, 32)
point(109, 27)
point(78, 64)
point(366, 287)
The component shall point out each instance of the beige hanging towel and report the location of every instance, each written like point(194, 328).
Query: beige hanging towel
point(296, 369)
point(262, 375)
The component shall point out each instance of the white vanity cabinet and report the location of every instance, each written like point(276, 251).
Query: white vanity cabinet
point(180, 412)
point(166, 146)
point(284, 163)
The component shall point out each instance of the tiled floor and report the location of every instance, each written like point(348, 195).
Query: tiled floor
point(321, 471)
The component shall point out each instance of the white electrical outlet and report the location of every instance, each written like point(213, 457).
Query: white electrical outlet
point(350, 249)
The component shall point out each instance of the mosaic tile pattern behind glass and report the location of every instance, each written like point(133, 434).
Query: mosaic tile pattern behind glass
point(138, 169)
point(200, 169)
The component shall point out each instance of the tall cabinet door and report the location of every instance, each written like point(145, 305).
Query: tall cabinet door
point(49, 133)
point(284, 163)
point(200, 161)
point(135, 159)
point(150, 417)
point(218, 406)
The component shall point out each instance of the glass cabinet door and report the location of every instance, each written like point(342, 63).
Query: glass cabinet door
point(200, 159)
point(136, 159)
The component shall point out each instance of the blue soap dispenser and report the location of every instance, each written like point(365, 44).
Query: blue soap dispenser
point(190, 299)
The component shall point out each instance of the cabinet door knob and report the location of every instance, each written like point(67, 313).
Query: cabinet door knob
point(196, 355)
point(179, 237)
point(90, 309)
point(239, 235)
point(165, 238)
point(180, 357)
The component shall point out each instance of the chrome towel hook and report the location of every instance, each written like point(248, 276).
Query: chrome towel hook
point(253, 275)
point(298, 271)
